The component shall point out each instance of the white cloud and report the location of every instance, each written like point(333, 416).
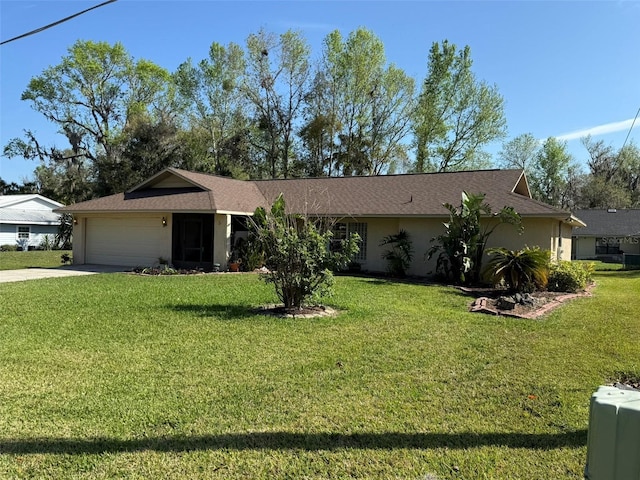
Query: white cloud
point(600, 130)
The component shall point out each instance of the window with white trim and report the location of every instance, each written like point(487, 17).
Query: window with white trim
point(342, 231)
point(24, 232)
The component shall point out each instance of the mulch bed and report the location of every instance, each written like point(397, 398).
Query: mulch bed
point(312, 311)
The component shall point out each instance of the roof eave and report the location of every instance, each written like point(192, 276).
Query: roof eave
point(575, 222)
point(27, 222)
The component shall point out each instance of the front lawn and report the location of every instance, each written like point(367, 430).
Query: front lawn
point(32, 259)
point(123, 376)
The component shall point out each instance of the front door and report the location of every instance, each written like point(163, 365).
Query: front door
point(193, 241)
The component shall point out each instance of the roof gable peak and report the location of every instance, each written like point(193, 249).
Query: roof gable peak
point(168, 178)
point(522, 186)
point(30, 200)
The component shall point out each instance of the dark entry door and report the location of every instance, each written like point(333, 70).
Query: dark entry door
point(193, 240)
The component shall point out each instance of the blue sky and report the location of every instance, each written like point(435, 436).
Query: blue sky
point(565, 68)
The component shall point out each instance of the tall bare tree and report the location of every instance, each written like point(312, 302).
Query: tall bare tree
point(457, 114)
point(276, 82)
point(519, 152)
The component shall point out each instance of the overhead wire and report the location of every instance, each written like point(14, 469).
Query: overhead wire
point(66, 19)
point(632, 124)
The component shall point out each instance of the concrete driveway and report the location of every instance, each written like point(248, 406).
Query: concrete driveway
point(63, 271)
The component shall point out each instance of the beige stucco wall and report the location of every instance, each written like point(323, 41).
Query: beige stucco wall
point(566, 242)
point(547, 234)
point(78, 239)
point(221, 239)
point(377, 229)
point(422, 230)
point(537, 232)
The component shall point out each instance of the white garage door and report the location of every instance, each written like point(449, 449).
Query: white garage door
point(127, 241)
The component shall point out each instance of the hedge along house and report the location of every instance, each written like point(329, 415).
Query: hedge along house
point(25, 219)
point(194, 219)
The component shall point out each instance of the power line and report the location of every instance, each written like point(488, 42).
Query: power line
point(632, 124)
point(38, 30)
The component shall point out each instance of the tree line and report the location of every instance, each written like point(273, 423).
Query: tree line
point(612, 179)
point(269, 109)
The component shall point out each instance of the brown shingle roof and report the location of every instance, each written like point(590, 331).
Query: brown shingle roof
point(227, 194)
point(402, 195)
point(207, 193)
point(389, 195)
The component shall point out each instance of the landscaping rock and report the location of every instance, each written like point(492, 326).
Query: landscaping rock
point(481, 305)
point(506, 303)
point(528, 299)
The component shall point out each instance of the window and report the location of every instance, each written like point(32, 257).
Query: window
point(342, 231)
point(24, 233)
point(608, 246)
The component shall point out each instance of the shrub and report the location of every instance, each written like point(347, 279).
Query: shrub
point(400, 254)
point(521, 270)
point(47, 243)
point(568, 276)
point(8, 248)
point(249, 256)
point(297, 254)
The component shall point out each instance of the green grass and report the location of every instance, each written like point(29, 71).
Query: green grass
point(602, 266)
point(120, 376)
point(32, 259)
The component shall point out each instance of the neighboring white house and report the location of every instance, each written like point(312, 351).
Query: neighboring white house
point(27, 218)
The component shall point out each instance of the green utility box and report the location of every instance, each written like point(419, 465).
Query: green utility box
point(631, 261)
point(613, 445)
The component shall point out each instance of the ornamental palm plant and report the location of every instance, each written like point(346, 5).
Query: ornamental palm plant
point(521, 269)
point(400, 254)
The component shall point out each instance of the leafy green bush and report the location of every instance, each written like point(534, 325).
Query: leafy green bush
point(8, 248)
point(568, 276)
point(249, 256)
point(297, 254)
point(520, 270)
point(400, 254)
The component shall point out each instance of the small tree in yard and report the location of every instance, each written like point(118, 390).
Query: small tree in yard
point(461, 248)
point(297, 254)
